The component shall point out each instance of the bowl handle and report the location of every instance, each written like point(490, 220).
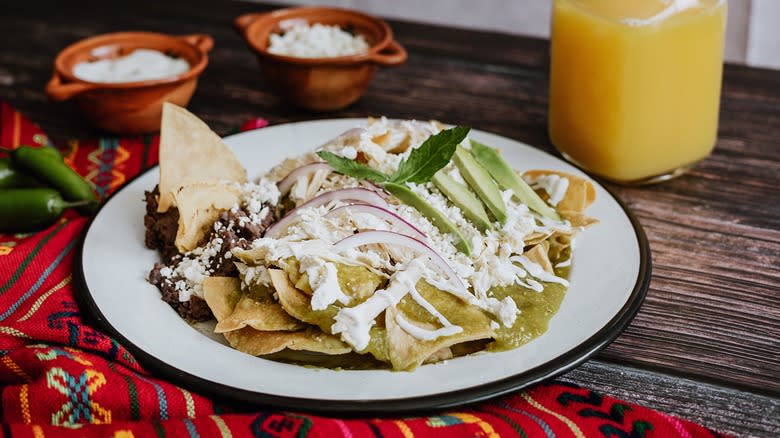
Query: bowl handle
point(243, 22)
point(203, 42)
point(58, 92)
point(393, 54)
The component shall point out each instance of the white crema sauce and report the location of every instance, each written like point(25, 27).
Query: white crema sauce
point(140, 65)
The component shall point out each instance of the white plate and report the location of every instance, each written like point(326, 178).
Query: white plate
point(609, 278)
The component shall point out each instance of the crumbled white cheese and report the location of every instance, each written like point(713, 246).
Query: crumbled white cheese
point(256, 197)
point(506, 310)
point(254, 275)
point(316, 41)
point(349, 152)
point(313, 224)
point(336, 181)
point(193, 268)
point(454, 173)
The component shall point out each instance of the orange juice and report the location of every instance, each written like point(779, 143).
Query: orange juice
point(635, 84)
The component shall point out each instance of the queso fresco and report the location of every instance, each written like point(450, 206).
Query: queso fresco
point(393, 245)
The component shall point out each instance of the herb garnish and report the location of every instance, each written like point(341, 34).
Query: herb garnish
point(419, 167)
point(353, 168)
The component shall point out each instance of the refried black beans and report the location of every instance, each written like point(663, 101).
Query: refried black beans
point(233, 229)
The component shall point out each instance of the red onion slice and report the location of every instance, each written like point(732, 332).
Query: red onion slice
point(392, 238)
point(307, 170)
point(364, 196)
point(377, 188)
point(382, 213)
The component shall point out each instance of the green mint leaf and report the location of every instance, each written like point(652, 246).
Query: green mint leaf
point(435, 152)
point(352, 168)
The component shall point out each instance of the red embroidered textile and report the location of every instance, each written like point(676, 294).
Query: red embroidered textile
point(61, 377)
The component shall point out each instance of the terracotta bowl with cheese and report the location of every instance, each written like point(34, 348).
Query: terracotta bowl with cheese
point(330, 81)
point(122, 92)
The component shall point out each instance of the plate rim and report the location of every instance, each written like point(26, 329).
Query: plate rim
point(219, 391)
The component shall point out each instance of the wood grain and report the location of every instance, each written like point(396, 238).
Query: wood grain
point(713, 309)
point(723, 409)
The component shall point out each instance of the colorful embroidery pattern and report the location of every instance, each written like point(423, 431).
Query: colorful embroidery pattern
point(70, 353)
point(79, 390)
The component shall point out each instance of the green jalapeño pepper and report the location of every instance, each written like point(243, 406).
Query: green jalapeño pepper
point(46, 167)
point(31, 209)
point(11, 178)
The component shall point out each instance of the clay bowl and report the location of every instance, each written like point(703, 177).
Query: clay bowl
point(321, 84)
point(129, 107)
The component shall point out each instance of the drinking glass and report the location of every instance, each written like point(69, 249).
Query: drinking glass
point(635, 85)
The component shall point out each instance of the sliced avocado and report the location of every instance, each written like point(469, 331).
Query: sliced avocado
point(408, 197)
point(503, 173)
point(480, 181)
point(463, 198)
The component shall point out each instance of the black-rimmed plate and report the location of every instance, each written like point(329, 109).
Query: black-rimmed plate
point(609, 278)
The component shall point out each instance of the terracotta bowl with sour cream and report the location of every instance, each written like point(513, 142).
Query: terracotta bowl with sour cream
point(310, 69)
point(120, 80)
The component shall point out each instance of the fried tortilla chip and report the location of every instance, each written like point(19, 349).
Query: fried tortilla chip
point(298, 305)
point(438, 356)
point(260, 315)
point(579, 195)
point(381, 139)
point(221, 295)
point(399, 146)
point(257, 343)
point(538, 255)
point(190, 152)
point(406, 351)
point(535, 237)
point(560, 247)
point(199, 206)
point(579, 220)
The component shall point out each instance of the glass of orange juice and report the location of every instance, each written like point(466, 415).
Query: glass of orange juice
point(635, 85)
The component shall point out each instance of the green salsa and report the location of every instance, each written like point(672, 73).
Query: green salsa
point(536, 311)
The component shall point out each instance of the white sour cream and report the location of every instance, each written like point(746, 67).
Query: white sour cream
point(354, 323)
point(554, 185)
point(324, 281)
point(140, 65)
point(425, 334)
point(537, 271)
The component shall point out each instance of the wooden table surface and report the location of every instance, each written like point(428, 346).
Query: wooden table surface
point(706, 343)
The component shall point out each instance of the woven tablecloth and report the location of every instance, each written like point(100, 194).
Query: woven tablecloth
point(62, 377)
